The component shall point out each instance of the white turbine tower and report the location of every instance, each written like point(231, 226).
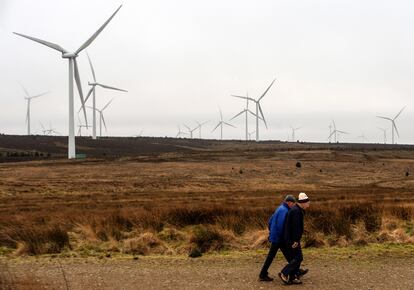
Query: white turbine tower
point(258, 109)
point(246, 111)
point(93, 90)
point(393, 126)
point(293, 132)
point(101, 117)
point(250, 135)
point(335, 132)
point(73, 73)
point(221, 123)
point(384, 131)
point(29, 98)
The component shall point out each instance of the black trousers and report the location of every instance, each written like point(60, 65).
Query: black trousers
point(295, 258)
point(271, 255)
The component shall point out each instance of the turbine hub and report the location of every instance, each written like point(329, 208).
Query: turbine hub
point(69, 55)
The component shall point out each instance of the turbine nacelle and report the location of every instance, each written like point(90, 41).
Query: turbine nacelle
point(69, 55)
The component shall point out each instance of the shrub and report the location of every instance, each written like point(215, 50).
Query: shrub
point(207, 238)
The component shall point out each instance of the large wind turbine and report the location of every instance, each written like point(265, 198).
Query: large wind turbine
point(393, 126)
point(29, 98)
point(221, 123)
point(293, 132)
point(246, 111)
point(335, 132)
point(73, 73)
point(258, 109)
point(101, 116)
point(93, 90)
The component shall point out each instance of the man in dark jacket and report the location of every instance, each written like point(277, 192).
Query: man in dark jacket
point(276, 224)
point(292, 233)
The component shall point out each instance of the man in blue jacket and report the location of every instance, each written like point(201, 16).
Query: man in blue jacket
point(276, 224)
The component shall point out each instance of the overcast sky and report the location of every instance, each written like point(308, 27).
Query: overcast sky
point(181, 60)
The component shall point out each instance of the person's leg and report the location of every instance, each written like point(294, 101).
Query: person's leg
point(285, 251)
point(269, 259)
point(295, 260)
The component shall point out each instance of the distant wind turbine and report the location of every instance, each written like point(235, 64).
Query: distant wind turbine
point(199, 127)
point(335, 132)
point(180, 133)
point(294, 131)
point(101, 117)
point(246, 111)
point(258, 109)
point(73, 73)
point(191, 130)
point(384, 131)
point(363, 138)
point(220, 124)
point(29, 98)
point(93, 90)
point(393, 126)
point(250, 134)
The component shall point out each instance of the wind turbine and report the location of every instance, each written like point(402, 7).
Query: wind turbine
point(29, 98)
point(49, 131)
point(73, 73)
point(335, 132)
point(180, 133)
point(93, 90)
point(191, 130)
point(199, 127)
point(258, 109)
point(330, 132)
point(101, 117)
point(293, 132)
point(80, 126)
point(221, 123)
point(393, 126)
point(246, 111)
point(385, 134)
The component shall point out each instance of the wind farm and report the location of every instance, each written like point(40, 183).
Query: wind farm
point(241, 105)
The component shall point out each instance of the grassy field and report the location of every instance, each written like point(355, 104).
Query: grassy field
point(209, 197)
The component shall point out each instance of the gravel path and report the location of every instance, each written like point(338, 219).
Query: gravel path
point(212, 272)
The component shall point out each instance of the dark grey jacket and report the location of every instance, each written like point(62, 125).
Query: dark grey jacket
point(293, 228)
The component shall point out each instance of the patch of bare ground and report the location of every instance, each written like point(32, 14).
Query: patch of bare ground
point(372, 267)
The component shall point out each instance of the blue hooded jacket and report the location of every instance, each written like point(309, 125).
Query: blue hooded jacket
point(276, 223)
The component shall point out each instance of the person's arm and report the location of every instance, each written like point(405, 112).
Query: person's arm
point(294, 227)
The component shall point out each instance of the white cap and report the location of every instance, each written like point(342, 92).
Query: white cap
point(303, 198)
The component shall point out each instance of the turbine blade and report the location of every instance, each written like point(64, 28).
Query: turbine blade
point(90, 64)
point(103, 121)
point(79, 85)
point(261, 113)
point(399, 113)
point(265, 92)
point(111, 88)
point(389, 119)
point(92, 38)
point(44, 42)
point(221, 115)
point(238, 115)
point(39, 95)
point(333, 132)
point(342, 132)
point(333, 122)
point(106, 106)
point(228, 124)
point(396, 130)
point(216, 127)
point(25, 91)
point(188, 128)
point(89, 93)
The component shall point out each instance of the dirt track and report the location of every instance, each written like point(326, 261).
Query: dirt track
point(383, 271)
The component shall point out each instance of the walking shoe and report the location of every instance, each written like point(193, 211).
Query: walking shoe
point(266, 279)
point(295, 281)
point(285, 279)
point(302, 272)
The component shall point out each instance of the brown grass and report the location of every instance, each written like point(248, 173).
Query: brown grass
point(172, 203)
